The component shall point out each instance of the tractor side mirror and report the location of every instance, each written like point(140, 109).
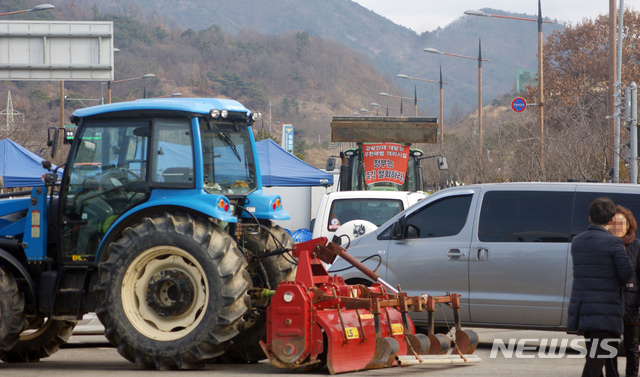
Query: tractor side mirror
point(442, 163)
point(331, 164)
point(52, 140)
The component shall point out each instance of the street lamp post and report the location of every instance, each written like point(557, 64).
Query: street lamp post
point(540, 70)
point(145, 76)
point(480, 60)
point(403, 76)
point(383, 94)
point(376, 105)
point(34, 9)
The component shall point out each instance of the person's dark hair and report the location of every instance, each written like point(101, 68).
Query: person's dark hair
point(601, 211)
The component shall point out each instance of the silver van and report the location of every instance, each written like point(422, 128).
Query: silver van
point(504, 247)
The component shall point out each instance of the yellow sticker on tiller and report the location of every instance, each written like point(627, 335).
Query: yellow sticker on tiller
point(397, 329)
point(352, 333)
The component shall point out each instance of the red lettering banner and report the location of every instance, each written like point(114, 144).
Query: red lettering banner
point(385, 162)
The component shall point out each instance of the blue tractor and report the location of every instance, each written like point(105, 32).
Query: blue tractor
point(159, 225)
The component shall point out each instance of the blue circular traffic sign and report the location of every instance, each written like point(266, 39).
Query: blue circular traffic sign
point(518, 104)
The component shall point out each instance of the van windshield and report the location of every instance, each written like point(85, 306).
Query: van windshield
point(376, 211)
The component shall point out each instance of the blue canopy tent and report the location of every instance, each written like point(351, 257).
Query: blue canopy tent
point(18, 166)
point(280, 168)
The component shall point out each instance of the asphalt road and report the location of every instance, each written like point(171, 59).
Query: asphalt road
point(93, 356)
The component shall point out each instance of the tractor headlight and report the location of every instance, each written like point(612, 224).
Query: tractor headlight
point(215, 113)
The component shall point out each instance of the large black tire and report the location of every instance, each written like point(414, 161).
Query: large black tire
point(42, 338)
point(12, 316)
point(246, 347)
point(172, 292)
point(278, 268)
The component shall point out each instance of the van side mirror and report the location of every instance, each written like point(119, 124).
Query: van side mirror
point(442, 163)
point(396, 230)
point(331, 164)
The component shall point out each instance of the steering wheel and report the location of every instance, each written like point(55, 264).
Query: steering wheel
point(125, 173)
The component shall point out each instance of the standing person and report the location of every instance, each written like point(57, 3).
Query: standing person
point(624, 225)
point(601, 269)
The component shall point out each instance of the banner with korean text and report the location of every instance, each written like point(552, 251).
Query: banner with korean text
point(385, 162)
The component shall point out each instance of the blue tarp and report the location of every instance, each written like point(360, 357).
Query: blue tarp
point(280, 168)
point(18, 166)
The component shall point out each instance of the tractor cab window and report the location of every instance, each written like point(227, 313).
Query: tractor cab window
point(172, 154)
point(103, 169)
point(227, 157)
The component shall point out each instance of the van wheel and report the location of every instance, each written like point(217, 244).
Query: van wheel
point(246, 347)
point(172, 292)
point(12, 316)
point(42, 338)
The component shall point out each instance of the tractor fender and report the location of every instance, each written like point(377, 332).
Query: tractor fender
point(136, 214)
point(265, 206)
point(196, 200)
point(18, 270)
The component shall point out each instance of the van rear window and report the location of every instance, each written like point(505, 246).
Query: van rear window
point(525, 216)
point(584, 199)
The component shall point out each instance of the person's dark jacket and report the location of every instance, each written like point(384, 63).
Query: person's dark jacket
point(631, 299)
point(601, 268)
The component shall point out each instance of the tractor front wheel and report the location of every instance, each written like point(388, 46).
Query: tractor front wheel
point(246, 347)
point(42, 338)
point(172, 292)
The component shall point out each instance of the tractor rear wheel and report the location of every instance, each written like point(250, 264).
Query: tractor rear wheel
point(172, 292)
point(246, 347)
point(12, 316)
point(42, 338)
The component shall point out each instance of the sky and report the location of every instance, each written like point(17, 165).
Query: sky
point(428, 15)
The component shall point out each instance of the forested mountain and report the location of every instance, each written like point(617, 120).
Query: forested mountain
point(301, 60)
point(393, 49)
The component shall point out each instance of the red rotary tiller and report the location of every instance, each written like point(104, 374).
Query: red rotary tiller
point(318, 319)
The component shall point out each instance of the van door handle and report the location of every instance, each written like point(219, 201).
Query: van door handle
point(482, 255)
point(454, 254)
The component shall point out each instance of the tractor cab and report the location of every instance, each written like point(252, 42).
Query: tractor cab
point(119, 159)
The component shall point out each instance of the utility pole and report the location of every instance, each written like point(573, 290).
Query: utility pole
point(616, 124)
point(269, 117)
point(612, 80)
point(633, 133)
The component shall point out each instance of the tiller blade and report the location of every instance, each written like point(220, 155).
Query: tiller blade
point(319, 320)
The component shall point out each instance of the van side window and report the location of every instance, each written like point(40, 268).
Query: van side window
point(525, 216)
point(445, 217)
point(584, 199)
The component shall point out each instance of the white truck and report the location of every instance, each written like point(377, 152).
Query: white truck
point(354, 213)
